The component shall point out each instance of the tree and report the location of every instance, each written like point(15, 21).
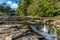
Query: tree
point(44, 8)
point(5, 9)
point(22, 9)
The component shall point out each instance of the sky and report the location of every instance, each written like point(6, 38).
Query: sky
point(11, 3)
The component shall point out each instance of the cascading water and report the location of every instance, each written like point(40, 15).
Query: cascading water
point(55, 33)
point(45, 35)
point(44, 29)
point(45, 32)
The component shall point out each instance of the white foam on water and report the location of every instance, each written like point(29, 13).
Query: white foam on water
point(44, 29)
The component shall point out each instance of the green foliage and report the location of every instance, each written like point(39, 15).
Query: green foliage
point(58, 31)
point(43, 8)
point(1, 13)
point(5, 9)
point(22, 9)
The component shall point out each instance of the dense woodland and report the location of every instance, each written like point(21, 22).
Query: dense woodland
point(40, 8)
point(4, 10)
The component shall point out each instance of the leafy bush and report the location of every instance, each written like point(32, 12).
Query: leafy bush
point(43, 8)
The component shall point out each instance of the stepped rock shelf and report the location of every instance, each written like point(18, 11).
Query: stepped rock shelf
point(11, 28)
point(10, 32)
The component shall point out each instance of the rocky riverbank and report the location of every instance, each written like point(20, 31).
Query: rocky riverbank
point(14, 26)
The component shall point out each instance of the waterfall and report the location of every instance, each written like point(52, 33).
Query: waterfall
point(44, 29)
point(55, 33)
point(45, 35)
point(44, 32)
